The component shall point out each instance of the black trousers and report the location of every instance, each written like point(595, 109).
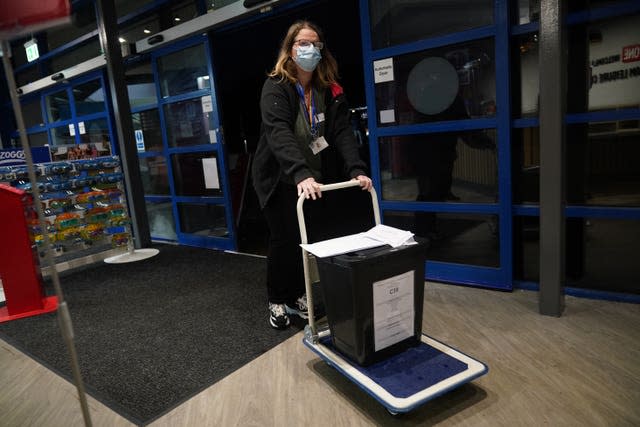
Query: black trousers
point(285, 276)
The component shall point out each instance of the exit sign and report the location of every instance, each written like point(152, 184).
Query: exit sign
point(31, 47)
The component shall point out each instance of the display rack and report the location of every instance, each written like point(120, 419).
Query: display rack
point(84, 205)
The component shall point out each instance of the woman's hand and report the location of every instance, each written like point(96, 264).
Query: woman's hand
point(365, 182)
point(310, 188)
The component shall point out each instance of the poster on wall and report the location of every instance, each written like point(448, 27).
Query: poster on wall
point(614, 55)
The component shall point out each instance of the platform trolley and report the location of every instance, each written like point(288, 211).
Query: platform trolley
point(403, 381)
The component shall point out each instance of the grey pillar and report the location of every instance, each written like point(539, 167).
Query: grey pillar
point(552, 156)
point(108, 32)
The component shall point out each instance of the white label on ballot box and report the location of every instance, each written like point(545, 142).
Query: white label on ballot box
point(393, 310)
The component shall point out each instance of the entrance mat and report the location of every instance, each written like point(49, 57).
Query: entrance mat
point(151, 334)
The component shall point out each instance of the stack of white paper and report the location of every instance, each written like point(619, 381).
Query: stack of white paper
point(390, 235)
point(377, 236)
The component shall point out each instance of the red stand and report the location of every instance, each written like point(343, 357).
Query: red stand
point(19, 268)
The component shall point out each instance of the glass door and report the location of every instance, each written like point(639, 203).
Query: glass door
point(191, 156)
point(439, 131)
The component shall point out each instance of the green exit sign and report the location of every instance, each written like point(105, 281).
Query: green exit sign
point(31, 47)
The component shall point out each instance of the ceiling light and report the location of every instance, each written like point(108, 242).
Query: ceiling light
point(146, 31)
point(121, 40)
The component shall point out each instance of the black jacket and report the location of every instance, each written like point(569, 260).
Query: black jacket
point(278, 151)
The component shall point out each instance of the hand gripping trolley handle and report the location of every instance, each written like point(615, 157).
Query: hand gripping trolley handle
point(403, 381)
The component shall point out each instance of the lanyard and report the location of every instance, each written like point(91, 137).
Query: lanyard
point(311, 115)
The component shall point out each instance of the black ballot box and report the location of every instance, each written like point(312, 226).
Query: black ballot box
point(373, 300)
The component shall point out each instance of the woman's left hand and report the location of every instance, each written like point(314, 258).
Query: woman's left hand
point(365, 182)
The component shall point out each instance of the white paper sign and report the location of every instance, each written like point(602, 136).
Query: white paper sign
point(72, 130)
point(383, 70)
point(393, 310)
point(387, 116)
point(213, 137)
point(210, 169)
point(81, 128)
point(139, 139)
point(207, 104)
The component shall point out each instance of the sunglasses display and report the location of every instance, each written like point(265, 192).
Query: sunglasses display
point(82, 201)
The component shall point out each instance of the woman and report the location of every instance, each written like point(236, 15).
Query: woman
point(305, 121)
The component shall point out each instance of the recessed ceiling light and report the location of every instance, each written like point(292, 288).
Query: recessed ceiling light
point(146, 31)
point(176, 19)
point(121, 40)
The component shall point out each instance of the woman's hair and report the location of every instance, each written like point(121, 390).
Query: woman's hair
point(325, 73)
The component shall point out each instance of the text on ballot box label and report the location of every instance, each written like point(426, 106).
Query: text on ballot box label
point(393, 310)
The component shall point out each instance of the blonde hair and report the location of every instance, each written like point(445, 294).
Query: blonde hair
point(325, 73)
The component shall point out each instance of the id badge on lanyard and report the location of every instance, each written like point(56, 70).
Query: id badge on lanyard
point(318, 143)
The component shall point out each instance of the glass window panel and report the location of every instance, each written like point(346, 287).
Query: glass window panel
point(28, 75)
point(440, 167)
point(96, 138)
point(526, 76)
point(600, 253)
point(396, 21)
point(39, 139)
point(526, 248)
point(89, 97)
point(62, 136)
point(528, 11)
point(141, 86)
point(203, 219)
point(526, 165)
point(603, 163)
point(75, 56)
point(457, 238)
point(184, 71)
point(148, 122)
point(32, 113)
point(155, 175)
point(189, 174)
point(161, 221)
point(187, 124)
point(448, 83)
point(610, 262)
point(58, 106)
point(614, 52)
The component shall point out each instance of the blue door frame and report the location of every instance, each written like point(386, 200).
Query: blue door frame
point(502, 32)
point(501, 277)
point(217, 149)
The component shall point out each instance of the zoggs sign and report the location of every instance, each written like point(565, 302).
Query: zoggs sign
point(16, 156)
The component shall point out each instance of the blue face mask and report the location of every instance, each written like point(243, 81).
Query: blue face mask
point(308, 57)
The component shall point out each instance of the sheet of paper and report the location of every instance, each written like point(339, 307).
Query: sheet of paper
point(341, 245)
point(393, 310)
point(390, 235)
point(383, 70)
point(387, 116)
point(377, 236)
point(210, 169)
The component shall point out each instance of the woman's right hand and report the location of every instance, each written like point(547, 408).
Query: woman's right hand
point(310, 188)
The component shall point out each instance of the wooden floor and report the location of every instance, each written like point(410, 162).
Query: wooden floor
point(582, 369)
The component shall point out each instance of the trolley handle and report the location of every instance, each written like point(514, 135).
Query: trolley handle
point(330, 187)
